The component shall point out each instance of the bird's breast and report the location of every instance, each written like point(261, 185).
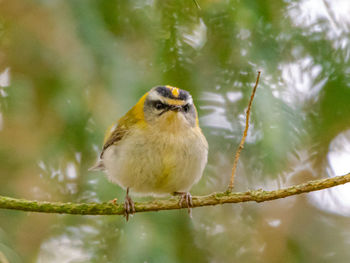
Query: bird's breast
point(158, 161)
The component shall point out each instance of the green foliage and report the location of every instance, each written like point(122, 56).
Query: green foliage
point(77, 66)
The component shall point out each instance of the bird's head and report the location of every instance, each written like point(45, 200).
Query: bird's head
point(168, 107)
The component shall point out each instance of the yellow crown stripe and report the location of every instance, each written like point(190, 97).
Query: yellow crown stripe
point(174, 91)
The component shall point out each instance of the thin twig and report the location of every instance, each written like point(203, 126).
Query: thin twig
point(170, 204)
point(196, 3)
point(245, 133)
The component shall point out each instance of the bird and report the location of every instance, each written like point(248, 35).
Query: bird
point(157, 148)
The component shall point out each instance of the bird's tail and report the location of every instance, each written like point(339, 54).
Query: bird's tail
point(99, 166)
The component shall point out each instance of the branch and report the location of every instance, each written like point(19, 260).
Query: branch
point(245, 133)
point(172, 203)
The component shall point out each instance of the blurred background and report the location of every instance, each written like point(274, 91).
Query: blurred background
point(68, 69)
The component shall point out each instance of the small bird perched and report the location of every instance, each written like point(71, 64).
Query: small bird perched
point(157, 148)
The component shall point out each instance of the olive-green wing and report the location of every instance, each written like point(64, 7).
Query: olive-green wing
point(125, 124)
point(114, 137)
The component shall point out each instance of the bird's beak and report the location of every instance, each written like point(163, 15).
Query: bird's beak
point(175, 108)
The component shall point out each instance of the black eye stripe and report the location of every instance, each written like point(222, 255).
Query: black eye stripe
point(160, 105)
point(186, 107)
point(164, 107)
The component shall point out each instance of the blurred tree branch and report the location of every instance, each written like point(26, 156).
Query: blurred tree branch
point(172, 203)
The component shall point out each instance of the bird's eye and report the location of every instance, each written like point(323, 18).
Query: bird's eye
point(186, 108)
point(159, 106)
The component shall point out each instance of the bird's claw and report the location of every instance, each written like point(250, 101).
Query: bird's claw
point(129, 206)
point(186, 198)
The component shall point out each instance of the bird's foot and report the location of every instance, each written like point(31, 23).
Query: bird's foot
point(129, 206)
point(185, 201)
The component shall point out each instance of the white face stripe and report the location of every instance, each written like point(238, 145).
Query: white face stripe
point(153, 95)
point(189, 100)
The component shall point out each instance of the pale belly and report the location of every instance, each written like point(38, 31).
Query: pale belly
point(157, 166)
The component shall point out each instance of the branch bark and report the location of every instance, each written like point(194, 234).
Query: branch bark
point(172, 203)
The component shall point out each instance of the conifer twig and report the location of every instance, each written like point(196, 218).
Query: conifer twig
point(245, 133)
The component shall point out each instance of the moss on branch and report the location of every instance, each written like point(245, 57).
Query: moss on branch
point(172, 203)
